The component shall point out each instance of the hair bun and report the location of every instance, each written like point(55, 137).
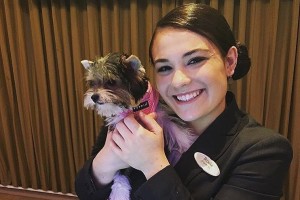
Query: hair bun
point(243, 62)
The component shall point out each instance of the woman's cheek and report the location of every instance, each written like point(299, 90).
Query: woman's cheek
point(160, 84)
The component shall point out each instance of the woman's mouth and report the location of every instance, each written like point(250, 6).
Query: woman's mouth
point(188, 96)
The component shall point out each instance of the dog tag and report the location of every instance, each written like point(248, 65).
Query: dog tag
point(207, 164)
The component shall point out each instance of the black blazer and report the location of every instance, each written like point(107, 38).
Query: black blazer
point(253, 162)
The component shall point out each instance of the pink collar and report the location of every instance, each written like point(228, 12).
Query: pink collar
point(149, 101)
point(148, 105)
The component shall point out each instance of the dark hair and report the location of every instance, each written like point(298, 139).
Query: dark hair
point(208, 22)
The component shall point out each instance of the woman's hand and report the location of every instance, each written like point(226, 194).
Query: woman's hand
point(142, 147)
point(106, 163)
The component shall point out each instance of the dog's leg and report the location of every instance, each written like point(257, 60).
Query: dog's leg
point(120, 190)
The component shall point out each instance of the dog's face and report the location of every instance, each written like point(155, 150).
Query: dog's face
point(116, 82)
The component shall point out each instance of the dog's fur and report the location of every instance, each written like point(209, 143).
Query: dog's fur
point(118, 86)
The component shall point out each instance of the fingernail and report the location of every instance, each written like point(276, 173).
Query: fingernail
point(141, 114)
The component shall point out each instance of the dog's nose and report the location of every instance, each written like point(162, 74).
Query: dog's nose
point(95, 98)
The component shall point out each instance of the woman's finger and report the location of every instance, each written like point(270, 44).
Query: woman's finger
point(150, 122)
point(117, 139)
point(132, 124)
point(123, 130)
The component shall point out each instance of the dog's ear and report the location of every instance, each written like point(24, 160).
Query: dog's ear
point(135, 63)
point(86, 63)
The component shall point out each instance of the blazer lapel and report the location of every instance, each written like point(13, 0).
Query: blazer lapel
point(212, 142)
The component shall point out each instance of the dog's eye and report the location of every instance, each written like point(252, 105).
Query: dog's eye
point(111, 83)
point(92, 83)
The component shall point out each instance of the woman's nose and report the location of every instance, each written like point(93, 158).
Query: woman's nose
point(180, 78)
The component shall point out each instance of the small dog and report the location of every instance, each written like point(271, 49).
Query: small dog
point(118, 86)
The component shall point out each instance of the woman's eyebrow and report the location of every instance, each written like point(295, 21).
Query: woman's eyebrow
point(196, 50)
point(161, 60)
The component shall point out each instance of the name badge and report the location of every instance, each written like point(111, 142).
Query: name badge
point(207, 164)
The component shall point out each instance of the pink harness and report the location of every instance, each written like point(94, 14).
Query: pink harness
point(148, 105)
point(149, 101)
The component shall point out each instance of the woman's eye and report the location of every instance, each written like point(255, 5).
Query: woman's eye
point(196, 60)
point(163, 69)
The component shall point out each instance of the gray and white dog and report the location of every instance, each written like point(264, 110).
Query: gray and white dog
point(118, 86)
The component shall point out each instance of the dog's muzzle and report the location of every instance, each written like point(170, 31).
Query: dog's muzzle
point(95, 98)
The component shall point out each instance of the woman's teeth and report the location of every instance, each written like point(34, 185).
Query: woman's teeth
point(189, 96)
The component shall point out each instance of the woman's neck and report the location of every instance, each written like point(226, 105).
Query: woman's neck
point(200, 125)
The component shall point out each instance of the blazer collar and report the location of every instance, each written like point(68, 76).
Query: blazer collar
point(214, 140)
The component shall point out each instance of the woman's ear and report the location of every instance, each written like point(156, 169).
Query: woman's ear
point(231, 61)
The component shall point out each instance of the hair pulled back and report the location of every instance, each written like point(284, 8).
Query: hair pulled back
point(208, 22)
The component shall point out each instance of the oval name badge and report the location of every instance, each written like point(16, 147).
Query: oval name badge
point(207, 164)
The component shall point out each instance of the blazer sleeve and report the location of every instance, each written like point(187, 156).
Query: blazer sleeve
point(166, 184)
point(84, 184)
point(259, 172)
point(256, 173)
point(85, 187)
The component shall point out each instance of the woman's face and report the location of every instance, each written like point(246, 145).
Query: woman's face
point(191, 75)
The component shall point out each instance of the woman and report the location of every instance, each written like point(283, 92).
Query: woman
point(194, 53)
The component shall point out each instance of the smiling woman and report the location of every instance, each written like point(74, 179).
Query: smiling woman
point(46, 134)
point(194, 54)
point(192, 74)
